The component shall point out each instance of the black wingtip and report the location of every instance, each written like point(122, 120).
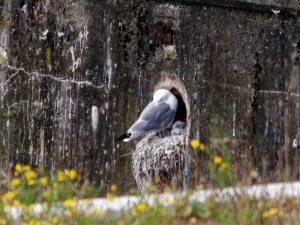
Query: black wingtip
point(123, 136)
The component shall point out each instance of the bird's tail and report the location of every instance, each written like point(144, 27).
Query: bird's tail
point(123, 136)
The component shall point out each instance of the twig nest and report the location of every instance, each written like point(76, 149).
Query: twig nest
point(163, 162)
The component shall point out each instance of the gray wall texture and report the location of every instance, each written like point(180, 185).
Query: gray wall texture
point(76, 74)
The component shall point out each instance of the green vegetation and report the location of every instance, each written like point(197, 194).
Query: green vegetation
point(64, 201)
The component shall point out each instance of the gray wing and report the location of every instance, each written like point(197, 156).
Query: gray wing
point(153, 118)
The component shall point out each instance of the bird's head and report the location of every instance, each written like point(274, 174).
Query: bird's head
point(161, 95)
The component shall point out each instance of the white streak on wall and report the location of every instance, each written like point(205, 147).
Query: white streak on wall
point(95, 118)
point(233, 119)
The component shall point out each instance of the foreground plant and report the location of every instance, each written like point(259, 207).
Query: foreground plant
point(63, 201)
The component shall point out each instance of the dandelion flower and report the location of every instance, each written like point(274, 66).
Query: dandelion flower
point(15, 182)
point(266, 214)
point(140, 207)
point(195, 143)
point(273, 211)
point(224, 165)
point(217, 160)
point(30, 175)
point(18, 167)
point(44, 181)
point(3, 221)
point(16, 203)
point(99, 212)
point(68, 203)
point(61, 176)
point(202, 146)
point(88, 213)
point(72, 174)
point(120, 222)
point(54, 220)
point(31, 182)
point(72, 212)
point(10, 195)
point(157, 179)
point(167, 198)
point(113, 188)
point(55, 185)
point(110, 196)
point(32, 222)
point(174, 201)
point(27, 168)
point(134, 212)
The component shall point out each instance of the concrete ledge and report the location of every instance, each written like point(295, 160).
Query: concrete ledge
point(268, 6)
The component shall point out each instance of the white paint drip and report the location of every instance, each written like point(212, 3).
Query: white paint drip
point(78, 48)
point(233, 119)
point(109, 62)
point(95, 118)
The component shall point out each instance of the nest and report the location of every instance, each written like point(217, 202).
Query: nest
point(163, 162)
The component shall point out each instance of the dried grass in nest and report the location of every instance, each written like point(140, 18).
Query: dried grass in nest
point(163, 162)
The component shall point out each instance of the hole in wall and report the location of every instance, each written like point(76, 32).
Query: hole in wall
point(181, 110)
point(177, 88)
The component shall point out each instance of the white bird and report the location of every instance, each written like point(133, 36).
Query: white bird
point(157, 116)
point(178, 128)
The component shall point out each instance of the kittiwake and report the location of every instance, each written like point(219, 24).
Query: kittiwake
point(157, 116)
point(178, 128)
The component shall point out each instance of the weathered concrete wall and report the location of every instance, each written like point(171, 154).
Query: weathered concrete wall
point(78, 74)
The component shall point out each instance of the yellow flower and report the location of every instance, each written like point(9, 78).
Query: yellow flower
point(202, 146)
point(71, 174)
point(31, 182)
point(27, 168)
point(85, 202)
point(88, 213)
point(61, 176)
point(223, 166)
point(113, 188)
point(3, 221)
point(140, 207)
point(132, 191)
point(167, 198)
point(32, 222)
point(110, 196)
point(18, 167)
point(217, 160)
point(10, 195)
point(72, 212)
point(31, 207)
point(68, 203)
point(16, 203)
point(54, 220)
point(30, 175)
point(271, 212)
point(134, 212)
point(157, 179)
point(44, 181)
point(15, 182)
point(195, 143)
point(55, 185)
point(266, 214)
point(174, 201)
point(99, 212)
point(120, 222)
